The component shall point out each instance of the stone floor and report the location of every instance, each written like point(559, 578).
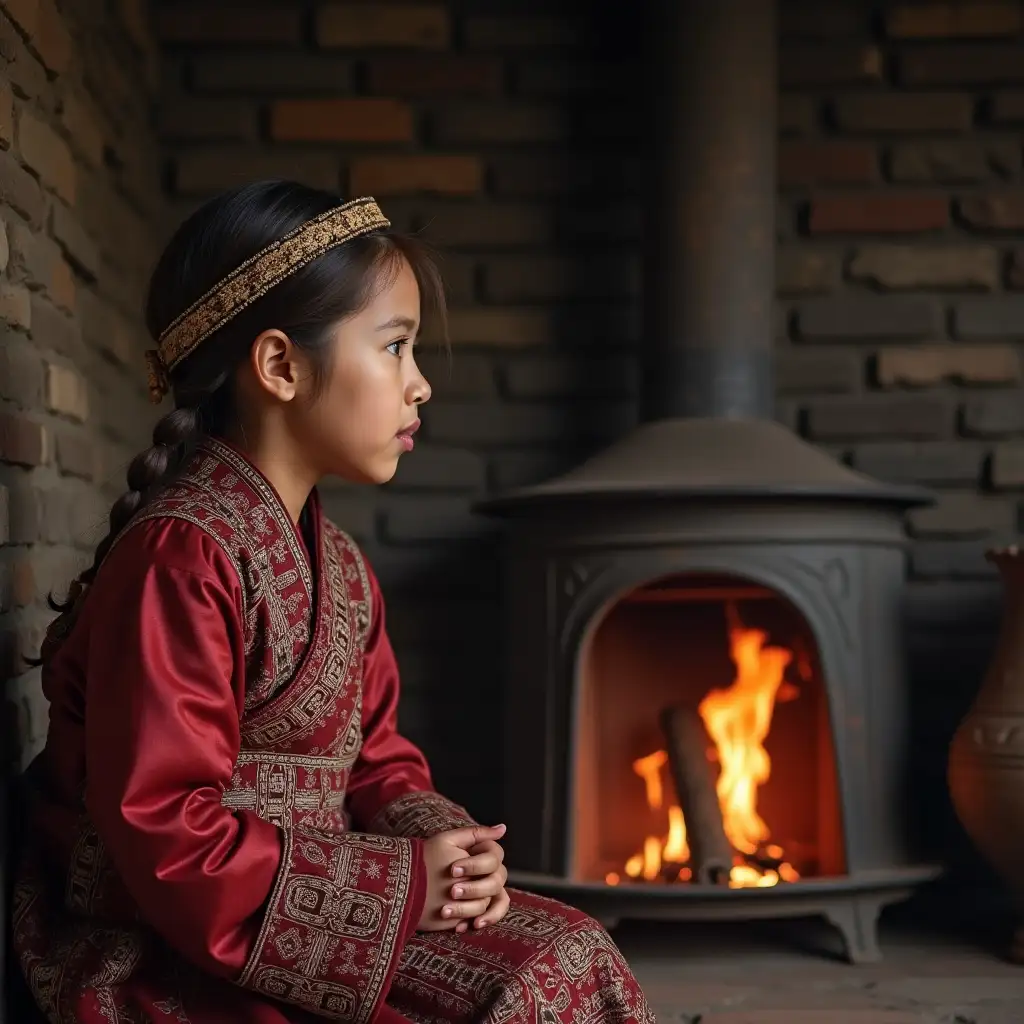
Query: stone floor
point(790, 974)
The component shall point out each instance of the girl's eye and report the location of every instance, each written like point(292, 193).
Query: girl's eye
point(395, 348)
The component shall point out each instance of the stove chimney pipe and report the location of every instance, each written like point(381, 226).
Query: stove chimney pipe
point(710, 268)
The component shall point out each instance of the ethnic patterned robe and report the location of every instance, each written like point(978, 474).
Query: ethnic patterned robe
point(225, 824)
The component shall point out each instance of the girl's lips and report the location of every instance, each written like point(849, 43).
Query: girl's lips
point(405, 435)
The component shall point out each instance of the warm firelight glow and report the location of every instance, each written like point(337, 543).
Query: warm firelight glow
point(738, 720)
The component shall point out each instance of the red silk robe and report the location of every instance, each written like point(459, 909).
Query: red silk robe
point(225, 824)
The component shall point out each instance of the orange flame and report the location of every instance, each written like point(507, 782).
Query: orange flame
point(738, 720)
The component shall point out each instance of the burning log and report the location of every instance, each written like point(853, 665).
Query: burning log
point(711, 853)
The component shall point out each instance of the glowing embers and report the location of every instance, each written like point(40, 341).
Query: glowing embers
point(735, 845)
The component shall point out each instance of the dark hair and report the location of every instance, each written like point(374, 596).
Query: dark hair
point(220, 236)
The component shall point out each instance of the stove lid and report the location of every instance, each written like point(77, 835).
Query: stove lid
point(705, 458)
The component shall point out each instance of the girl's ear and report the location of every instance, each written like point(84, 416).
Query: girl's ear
point(277, 364)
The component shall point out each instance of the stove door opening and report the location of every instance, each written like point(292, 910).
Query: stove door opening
point(703, 750)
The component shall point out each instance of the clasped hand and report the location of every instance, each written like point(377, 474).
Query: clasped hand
point(465, 879)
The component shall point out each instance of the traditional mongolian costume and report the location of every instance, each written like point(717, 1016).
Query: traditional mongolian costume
point(225, 825)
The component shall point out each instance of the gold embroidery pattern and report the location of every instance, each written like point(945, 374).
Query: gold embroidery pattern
point(271, 265)
point(420, 816)
point(291, 789)
point(221, 494)
point(542, 962)
point(331, 700)
point(334, 921)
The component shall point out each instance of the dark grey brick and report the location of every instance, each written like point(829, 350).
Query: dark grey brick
point(539, 377)
point(912, 418)
point(432, 518)
point(995, 414)
point(850, 318)
point(535, 277)
point(803, 271)
point(470, 567)
point(936, 462)
point(1000, 316)
point(798, 115)
point(905, 112)
point(810, 19)
point(511, 469)
point(441, 468)
point(806, 372)
point(964, 514)
point(600, 224)
point(351, 508)
point(494, 424)
point(955, 161)
point(951, 559)
point(1007, 468)
point(286, 73)
point(456, 375)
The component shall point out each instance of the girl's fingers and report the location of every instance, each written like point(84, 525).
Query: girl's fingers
point(463, 909)
point(495, 912)
point(476, 867)
point(479, 888)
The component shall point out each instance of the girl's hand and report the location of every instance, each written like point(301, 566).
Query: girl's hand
point(440, 853)
point(481, 876)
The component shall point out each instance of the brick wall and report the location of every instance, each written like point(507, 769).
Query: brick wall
point(79, 200)
point(509, 133)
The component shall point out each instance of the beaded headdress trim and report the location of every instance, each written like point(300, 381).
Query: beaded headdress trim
point(253, 279)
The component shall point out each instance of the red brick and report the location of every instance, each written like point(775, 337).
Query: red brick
point(209, 119)
point(797, 115)
point(963, 64)
point(205, 171)
point(78, 247)
point(76, 453)
point(21, 190)
point(341, 120)
point(834, 163)
point(1007, 107)
point(843, 64)
point(501, 123)
point(85, 128)
point(15, 305)
point(932, 365)
point(229, 23)
point(429, 75)
point(497, 326)
point(994, 211)
point(46, 153)
point(492, 224)
point(416, 174)
point(905, 112)
point(6, 115)
point(878, 214)
point(950, 20)
point(47, 34)
point(66, 392)
point(514, 33)
point(354, 26)
point(22, 440)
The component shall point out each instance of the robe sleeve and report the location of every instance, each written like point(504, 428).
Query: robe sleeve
point(300, 916)
point(391, 791)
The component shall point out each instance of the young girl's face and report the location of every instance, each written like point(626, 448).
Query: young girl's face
point(366, 416)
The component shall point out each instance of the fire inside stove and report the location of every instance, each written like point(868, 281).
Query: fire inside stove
point(737, 721)
point(683, 769)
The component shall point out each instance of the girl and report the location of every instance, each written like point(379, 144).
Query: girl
point(225, 824)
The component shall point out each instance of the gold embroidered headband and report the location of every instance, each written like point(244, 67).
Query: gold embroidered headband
point(253, 279)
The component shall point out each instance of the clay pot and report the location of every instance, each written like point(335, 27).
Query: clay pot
point(986, 761)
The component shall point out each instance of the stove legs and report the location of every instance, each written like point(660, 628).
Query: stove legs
point(856, 921)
